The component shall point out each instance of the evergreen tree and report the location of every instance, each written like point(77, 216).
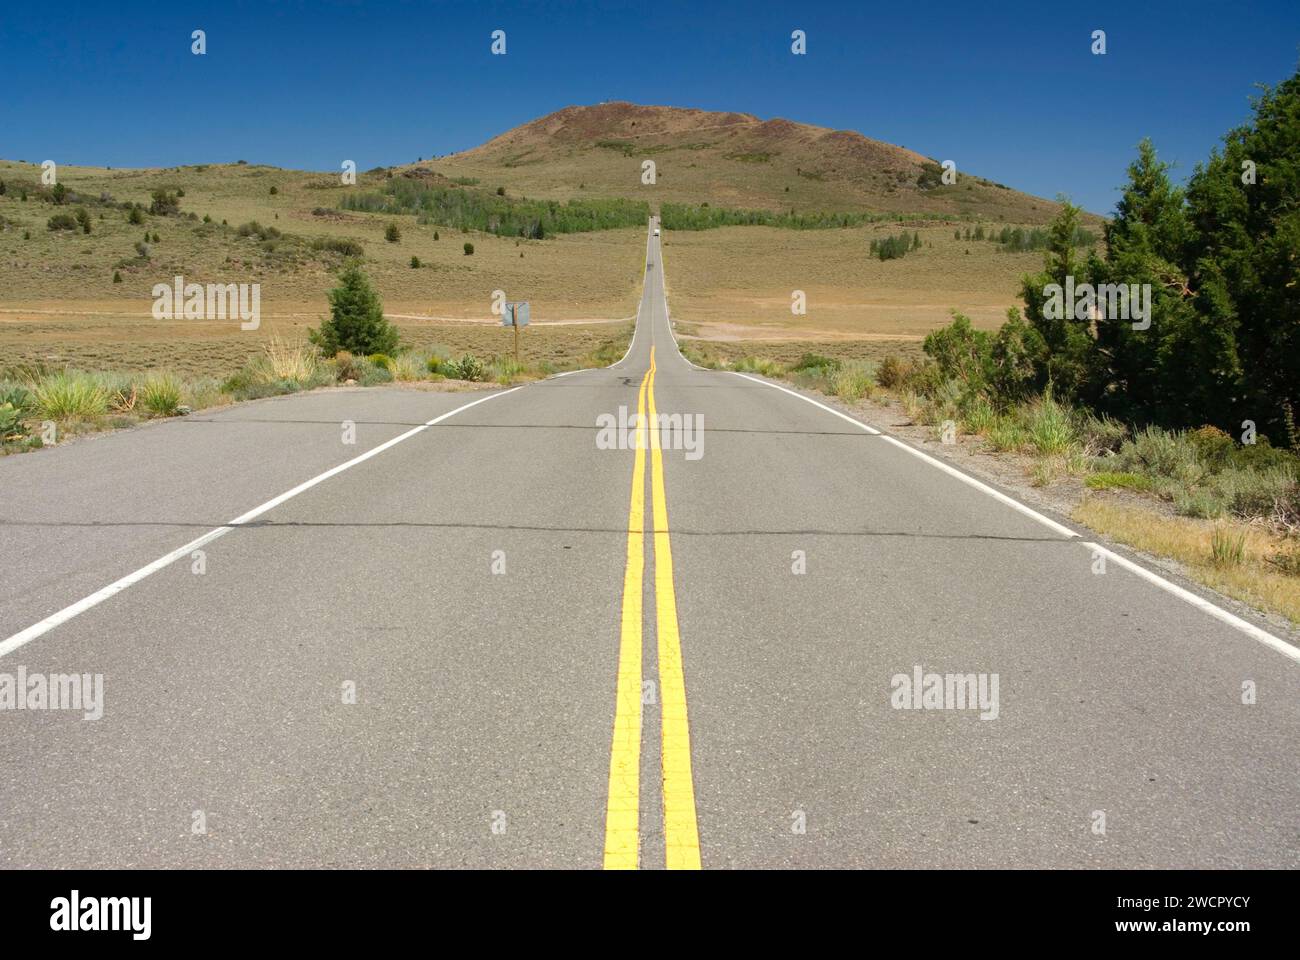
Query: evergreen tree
point(356, 322)
point(1140, 373)
point(1068, 360)
point(1243, 261)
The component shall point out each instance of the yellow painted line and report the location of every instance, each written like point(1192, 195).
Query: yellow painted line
point(681, 831)
point(622, 812)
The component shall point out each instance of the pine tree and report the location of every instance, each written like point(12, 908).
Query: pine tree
point(356, 322)
point(1068, 341)
point(1243, 261)
point(1145, 374)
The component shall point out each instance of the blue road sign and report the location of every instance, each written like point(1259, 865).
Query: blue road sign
point(515, 314)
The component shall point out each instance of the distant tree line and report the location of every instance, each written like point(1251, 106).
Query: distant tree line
point(496, 213)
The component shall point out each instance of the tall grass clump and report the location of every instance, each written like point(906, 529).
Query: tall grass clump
point(1049, 426)
point(296, 362)
point(407, 367)
point(505, 370)
point(1227, 546)
point(280, 368)
point(70, 395)
point(161, 393)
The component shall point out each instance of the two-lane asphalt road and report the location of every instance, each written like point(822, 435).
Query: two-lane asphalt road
point(486, 636)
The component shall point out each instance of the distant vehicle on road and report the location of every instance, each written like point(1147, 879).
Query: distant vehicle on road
point(656, 231)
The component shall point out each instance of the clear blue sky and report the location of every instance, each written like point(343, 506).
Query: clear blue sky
point(1009, 91)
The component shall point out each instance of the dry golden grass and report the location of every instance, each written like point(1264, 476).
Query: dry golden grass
point(1188, 541)
point(59, 306)
point(572, 276)
point(788, 352)
point(737, 282)
point(58, 303)
point(197, 348)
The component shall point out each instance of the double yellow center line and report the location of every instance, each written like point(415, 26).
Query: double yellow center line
point(622, 815)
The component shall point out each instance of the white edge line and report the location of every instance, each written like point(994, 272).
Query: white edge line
point(946, 468)
point(668, 317)
point(637, 327)
point(25, 637)
point(1232, 620)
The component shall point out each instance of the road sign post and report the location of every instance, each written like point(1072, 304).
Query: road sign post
point(515, 315)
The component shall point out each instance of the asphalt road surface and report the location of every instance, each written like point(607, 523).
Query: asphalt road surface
point(514, 634)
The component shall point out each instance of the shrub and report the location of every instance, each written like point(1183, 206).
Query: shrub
point(142, 249)
point(1213, 446)
point(203, 392)
point(1269, 493)
point(61, 221)
point(894, 372)
point(852, 380)
point(760, 365)
point(11, 423)
point(375, 373)
point(392, 234)
point(70, 395)
point(1161, 454)
point(469, 249)
point(274, 190)
point(164, 204)
point(415, 263)
point(891, 247)
point(381, 360)
point(468, 367)
point(1195, 502)
point(356, 322)
point(812, 361)
point(346, 366)
point(135, 216)
point(1101, 433)
point(160, 394)
point(1261, 456)
point(347, 247)
point(18, 397)
point(117, 276)
point(254, 229)
point(83, 219)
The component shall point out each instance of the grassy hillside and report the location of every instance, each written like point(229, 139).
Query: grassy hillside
point(727, 159)
point(555, 211)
